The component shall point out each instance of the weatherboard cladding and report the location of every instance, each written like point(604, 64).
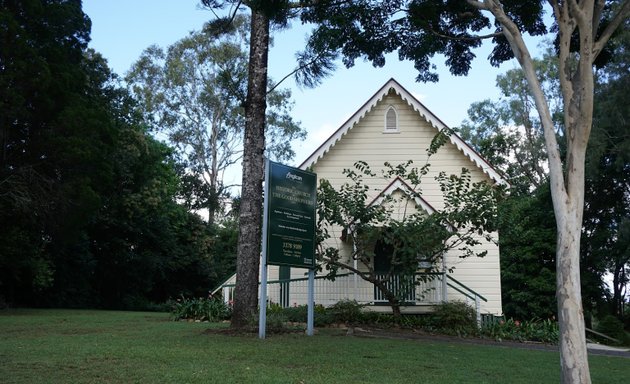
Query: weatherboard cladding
point(370, 142)
point(392, 86)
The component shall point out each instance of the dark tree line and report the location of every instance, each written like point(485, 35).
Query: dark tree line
point(88, 199)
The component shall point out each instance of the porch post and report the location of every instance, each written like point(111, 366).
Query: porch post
point(444, 287)
point(478, 309)
point(444, 280)
point(355, 265)
point(226, 295)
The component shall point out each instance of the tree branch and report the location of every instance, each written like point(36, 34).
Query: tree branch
point(461, 38)
point(478, 4)
point(577, 10)
point(515, 39)
point(293, 72)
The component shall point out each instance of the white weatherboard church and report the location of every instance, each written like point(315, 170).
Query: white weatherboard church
point(393, 126)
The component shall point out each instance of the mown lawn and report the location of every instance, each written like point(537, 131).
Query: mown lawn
point(76, 346)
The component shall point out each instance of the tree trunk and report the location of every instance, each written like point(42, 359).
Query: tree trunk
point(567, 183)
point(573, 353)
point(250, 215)
point(213, 169)
point(618, 284)
point(394, 303)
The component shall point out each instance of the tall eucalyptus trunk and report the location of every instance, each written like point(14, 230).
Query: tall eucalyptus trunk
point(567, 180)
point(250, 215)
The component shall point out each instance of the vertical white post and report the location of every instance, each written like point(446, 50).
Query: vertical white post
point(444, 280)
point(310, 320)
point(355, 266)
point(478, 308)
point(444, 287)
point(226, 295)
point(262, 318)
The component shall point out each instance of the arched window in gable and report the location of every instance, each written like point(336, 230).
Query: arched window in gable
point(391, 120)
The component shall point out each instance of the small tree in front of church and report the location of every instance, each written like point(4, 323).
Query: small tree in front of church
point(394, 234)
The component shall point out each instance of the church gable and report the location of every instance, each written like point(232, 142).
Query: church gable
point(394, 126)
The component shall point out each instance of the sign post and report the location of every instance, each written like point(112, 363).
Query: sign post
point(288, 228)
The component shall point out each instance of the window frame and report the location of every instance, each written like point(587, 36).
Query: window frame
point(386, 127)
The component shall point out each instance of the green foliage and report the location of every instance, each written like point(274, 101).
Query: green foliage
point(276, 322)
point(88, 211)
point(42, 82)
point(611, 326)
point(528, 263)
point(194, 92)
point(455, 318)
point(202, 309)
point(606, 235)
point(299, 314)
point(416, 30)
point(347, 312)
point(507, 131)
point(223, 250)
point(545, 331)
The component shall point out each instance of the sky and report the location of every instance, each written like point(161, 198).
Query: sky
point(122, 29)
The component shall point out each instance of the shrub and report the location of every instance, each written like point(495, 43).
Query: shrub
point(455, 318)
point(202, 309)
point(376, 318)
point(414, 321)
point(347, 311)
point(276, 321)
point(545, 331)
point(613, 327)
point(299, 314)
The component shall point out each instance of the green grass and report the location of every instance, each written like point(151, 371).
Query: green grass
point(70, 346)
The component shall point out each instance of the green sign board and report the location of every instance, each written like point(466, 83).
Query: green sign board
point(291, 216)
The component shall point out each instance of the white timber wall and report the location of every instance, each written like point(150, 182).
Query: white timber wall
point(368, 142)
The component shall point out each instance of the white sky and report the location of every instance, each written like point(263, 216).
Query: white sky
point(122, 29)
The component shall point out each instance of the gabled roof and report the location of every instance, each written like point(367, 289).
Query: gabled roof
point(393, 85)
point(399, 184)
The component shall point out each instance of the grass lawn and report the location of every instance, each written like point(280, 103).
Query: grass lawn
point(80, 346)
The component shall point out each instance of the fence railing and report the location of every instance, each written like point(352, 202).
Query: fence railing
point(421, 289)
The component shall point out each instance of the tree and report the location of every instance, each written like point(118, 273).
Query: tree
point(607, 210)
point(195, 92)
point(250, 214)
point(407, 239)
point(496, 129)
point(418, 29)
point(507, 131)
point(528, 262)
point(88, 216)
point(264, 14)
point(40, 79)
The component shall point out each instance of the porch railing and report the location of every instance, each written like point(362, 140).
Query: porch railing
point(428, 289)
